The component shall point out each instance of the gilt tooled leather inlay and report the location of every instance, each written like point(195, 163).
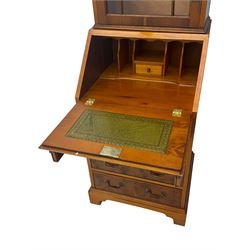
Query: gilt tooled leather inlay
point(122, 130)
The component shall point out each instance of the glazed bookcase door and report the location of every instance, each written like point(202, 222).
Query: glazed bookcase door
point(152, 13)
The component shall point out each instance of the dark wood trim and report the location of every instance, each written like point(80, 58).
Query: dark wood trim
point(187, 163)
point(203, 13)
point(204, 30)
point(197, 18)
point(112, 160)
point(56, 156)
point(90, 172)
point(195, 11)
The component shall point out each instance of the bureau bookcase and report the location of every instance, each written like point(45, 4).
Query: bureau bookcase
point(136, 103)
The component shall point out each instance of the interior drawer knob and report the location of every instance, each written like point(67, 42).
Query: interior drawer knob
point(148, 70)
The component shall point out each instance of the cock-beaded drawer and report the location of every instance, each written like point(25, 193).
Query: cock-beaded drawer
point(138, 189)
point(136, 172)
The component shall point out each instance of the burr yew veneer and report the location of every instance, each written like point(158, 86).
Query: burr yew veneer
point(136, 103)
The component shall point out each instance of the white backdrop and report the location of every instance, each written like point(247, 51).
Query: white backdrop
point(44, 205)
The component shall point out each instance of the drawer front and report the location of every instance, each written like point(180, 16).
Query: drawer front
point(141, 173)
point(147, 69)
point(138, 189)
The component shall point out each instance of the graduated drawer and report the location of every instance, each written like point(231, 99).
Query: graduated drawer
point(136, 172)
point(138, 189)
point(147, 69)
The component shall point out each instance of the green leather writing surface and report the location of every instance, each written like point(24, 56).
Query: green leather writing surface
point(122, 130)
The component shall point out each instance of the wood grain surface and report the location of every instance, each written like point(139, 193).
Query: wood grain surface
point(153, 100)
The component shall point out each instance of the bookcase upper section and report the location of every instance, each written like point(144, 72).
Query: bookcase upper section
point(167, 15)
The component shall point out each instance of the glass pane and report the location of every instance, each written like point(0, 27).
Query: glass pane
point(148, 7)
point(182, 7)
point(114, 6)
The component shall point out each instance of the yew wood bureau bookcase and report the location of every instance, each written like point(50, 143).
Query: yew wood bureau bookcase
point(136, 103)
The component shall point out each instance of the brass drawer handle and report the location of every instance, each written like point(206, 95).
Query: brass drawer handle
point(112, 186)
point(157, 196)
point(109, 165)
point(156, 173)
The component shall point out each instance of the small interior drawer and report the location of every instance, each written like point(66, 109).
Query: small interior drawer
point(138, 189)
point(148, 69)
point(130, 171)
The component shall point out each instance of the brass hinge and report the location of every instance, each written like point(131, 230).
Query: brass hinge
point(177, 113)
point(90, 102)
